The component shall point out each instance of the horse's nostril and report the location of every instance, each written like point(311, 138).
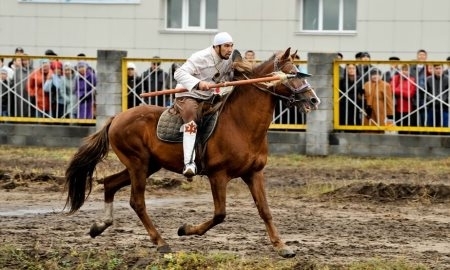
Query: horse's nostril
point(315, 101)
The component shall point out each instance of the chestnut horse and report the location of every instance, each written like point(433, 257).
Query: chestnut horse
point(238, 147)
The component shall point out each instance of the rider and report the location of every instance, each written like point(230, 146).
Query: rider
point(201, 70)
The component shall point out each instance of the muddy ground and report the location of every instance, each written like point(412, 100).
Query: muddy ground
point(386, 215)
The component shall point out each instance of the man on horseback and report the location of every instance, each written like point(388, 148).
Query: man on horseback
point(201, 70)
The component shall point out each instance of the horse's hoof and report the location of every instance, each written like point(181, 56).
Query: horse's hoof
point(98, 227)
point(164, 249)
point(286, 253)
point(95, 230)
point(182, 230)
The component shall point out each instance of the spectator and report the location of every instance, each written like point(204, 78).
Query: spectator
point(7, 69)
point(50, 52)
point(447, 71)
point(17, 51)
point(6, 96)
point(35, 88)
point(133, 82)
point(171, 82)
point(250, 56)
point(340, 56)
point(68, 87)
point(154, 80)
point(364, 69)
point(85, 83)
point(378, 96)
point(59, 99)
point(420, 72)
point(437, 98)
point(350, 97)
point(24, 103)
point(393, 70)
point(404, 88)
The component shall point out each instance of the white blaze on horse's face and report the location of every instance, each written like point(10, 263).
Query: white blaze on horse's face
point(305, 97)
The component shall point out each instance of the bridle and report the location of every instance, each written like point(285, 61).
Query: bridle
point(296, 92)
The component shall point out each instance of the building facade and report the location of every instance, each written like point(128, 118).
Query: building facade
point(176, 28)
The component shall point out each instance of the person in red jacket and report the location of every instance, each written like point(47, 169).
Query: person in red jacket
point(35, 87)
point(404, 89)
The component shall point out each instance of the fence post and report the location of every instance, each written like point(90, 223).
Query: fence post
point(320, 122)
point(109, 85)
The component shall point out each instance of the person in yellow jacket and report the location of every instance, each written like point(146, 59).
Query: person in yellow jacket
point(378, 100)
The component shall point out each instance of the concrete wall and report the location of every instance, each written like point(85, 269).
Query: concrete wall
point(349, 144)
point(43, 135)
point(384, 28)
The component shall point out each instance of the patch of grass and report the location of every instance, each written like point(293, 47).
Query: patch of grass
point(62, 257)
point(379, 264)
point(12, 257)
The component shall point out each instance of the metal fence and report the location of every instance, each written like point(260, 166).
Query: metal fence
point(48, 89)
point(375, 96)
point(408, 97)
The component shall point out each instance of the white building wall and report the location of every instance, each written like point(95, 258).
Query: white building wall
point(384, 28)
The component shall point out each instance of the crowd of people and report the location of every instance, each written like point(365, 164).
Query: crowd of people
point(405, 95)
point(52, 89)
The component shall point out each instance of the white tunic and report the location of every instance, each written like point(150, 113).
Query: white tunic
point(202, 66)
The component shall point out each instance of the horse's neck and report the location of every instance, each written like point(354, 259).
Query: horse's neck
point(251, 109)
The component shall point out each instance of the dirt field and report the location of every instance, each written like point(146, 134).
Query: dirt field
point(395, 214)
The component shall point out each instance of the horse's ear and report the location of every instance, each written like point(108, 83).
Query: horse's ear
point(294, 54)
point(287, 53)
point(236, 56)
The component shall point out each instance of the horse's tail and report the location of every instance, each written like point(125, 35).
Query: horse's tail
point(81, 168)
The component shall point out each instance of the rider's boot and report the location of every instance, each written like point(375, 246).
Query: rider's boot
point(189, 135)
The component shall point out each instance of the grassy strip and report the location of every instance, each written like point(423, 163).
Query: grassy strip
point(12, 257)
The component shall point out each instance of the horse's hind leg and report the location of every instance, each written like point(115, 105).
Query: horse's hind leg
point(112, 184)
point(255, 183)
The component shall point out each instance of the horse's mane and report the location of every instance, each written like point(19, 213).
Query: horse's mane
point(259, 68)
point(244, 68)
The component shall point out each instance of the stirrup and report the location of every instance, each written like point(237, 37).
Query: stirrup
point(190, 170)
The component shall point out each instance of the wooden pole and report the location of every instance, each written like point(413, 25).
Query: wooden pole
point(281, 77)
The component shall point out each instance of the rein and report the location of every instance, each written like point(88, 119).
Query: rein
point(270, 88)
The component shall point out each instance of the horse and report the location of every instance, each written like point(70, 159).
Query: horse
point(237, 148)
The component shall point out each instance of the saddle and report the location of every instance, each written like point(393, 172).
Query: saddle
point(170, 122)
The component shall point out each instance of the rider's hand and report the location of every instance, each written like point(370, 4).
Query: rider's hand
point(202, 85)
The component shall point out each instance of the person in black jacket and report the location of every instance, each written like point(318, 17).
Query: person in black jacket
point(154, 79)
point(133, 86)
point(437, 98)
point(351, 93)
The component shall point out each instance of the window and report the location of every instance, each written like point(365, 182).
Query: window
point(328, 15)
point(192, 14)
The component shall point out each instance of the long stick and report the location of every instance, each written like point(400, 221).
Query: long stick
point(281, 77)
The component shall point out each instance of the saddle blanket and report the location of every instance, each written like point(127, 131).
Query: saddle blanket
point(169, 125)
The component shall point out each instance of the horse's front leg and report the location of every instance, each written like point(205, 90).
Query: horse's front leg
point(219, 193)
point(112, 184)
point(255, 183)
